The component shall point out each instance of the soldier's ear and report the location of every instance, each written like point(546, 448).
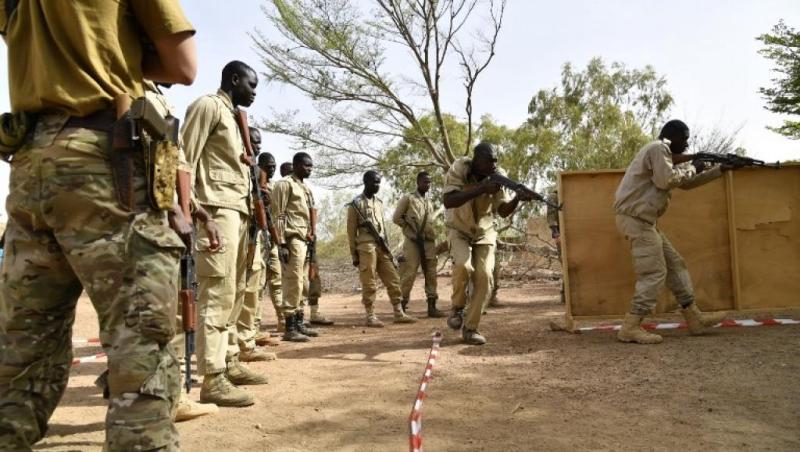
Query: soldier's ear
point(234, 79)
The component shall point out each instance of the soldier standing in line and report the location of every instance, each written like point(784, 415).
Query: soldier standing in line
point(415, 214)
point(73, 225)
point(248, 323)
point(471, 201)
point(286, 169)
point(641, 198)
point(215, 151)
point(271, 277)
point(291, 205)
point(555, 230)
point(366, 233)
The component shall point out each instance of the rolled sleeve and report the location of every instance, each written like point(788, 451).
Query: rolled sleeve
point(160, 18)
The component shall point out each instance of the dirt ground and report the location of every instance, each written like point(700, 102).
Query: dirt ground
point(528, 389)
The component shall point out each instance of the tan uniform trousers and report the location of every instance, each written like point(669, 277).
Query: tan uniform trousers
point(471, 263)
point(246, 324)
point(408, 269)
point(374, 263)
point(221, 277)
point(293, 276)
point(655, 261)
point(271, 279)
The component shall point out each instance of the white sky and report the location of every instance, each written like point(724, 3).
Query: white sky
point(706, 49)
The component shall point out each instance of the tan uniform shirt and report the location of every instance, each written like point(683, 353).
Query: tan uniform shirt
point(79, 68)
point(644, 191)
point(414, 213)
point(475, 218)
point(213, 147)
point(372, 210)
point(291, 203)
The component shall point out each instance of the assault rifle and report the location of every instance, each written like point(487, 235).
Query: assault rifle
point(517, 186)
point(313, 268)
point(379, 239)
point(187, 296)
point(733, 160)
point(259, 210)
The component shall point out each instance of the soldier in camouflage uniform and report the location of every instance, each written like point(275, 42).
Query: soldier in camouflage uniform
point(641, 198)
point(67, 230)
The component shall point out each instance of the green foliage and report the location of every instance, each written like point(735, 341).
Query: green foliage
point(782, 46)
point(596, 118)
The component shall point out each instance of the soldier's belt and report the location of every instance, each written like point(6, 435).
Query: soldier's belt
point(102, 120)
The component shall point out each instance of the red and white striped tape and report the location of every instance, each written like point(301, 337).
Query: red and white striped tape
point(679, 325)
point(88, 359)
point(415, 418)
point(94, 340)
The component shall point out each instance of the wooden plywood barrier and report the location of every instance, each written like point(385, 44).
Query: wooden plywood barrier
point(739, 236)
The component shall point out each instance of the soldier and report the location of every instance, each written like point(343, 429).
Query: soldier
point(555, 230)
point(641, 198)
point(215, 150)
point(286, 169)
point(248, 323)
point(415, 215)
point(471, 201)
point(291, 205)
point(366, 233)
point(314, 292)
point(74, 226)
point(271, 278)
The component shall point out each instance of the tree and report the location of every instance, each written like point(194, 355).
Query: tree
point(366, 95)
point(783, 47)
point(597, 118)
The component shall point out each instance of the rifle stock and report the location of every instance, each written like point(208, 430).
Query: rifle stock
point(259, 211)
point(313, 268)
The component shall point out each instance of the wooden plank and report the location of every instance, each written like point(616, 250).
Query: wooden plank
point(767, 204)
point(729, 197)
point(564, 272)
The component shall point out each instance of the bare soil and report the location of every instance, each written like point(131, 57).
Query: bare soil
point(527, 389)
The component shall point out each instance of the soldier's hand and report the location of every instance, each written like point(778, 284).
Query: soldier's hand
point(283, 253)
point(181, 227)
point(699, 166)
point(214, 241)
point(489, 187)
point(246, 159)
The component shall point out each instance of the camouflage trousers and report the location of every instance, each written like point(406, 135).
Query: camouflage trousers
point(655, 261)
point(66, 233)
point(473, 265)
point(412, 261)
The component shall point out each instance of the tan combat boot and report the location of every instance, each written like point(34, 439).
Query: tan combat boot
point(372, 320)
point(249, 356)
point(632, 331)
point(400, 316)
point(217, 389)
point(189, 409)
point(240, 375)
point(263, 339)
point(698, 321)
point(472, 337)
point(317, 318)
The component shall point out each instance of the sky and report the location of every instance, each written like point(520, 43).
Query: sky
point(706, 50)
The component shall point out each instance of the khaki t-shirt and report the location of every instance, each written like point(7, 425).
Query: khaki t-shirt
point(291, 203)
point(76, 56)
point(213, 146)
point(475, 218)
point(644, 191)
point(357, 232)
point(414, 213)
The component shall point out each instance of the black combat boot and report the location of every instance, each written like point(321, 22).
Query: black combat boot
point(432, 311)
point(299, 318)
point(292, 334)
